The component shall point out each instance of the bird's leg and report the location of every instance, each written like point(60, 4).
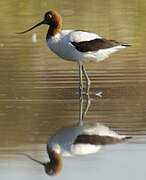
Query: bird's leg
point(81, 80)
point(88, 82)
point(83, 110)
point(87, 105)
point(80, 110)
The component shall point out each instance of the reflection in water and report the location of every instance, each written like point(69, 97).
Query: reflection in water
point(79, 139)
point(33, 80)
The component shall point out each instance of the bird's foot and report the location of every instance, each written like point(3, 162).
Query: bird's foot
point(80, 88)
point(80, 91)
point(85, 93)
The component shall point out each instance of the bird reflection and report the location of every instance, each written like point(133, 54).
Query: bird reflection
point(79, 139)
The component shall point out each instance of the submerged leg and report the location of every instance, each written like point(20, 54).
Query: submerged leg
point(88, 82)
point(81, 79)
point(83, 109)
point(87, 105)
point(80, 110)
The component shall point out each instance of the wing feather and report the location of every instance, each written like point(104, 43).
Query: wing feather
point(96, 44)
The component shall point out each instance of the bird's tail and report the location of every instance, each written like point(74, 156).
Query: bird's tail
point(126, 45)
point(127, 137)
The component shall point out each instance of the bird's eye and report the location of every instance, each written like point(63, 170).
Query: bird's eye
point(49, 16)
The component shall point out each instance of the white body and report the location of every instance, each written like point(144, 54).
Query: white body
point(62, 141)
point(61, 45)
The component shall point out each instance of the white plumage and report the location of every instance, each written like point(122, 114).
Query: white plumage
point(61, 45)
point(63, 140)
point(67, 142)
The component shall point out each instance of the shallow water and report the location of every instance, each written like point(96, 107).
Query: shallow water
point(39, 91)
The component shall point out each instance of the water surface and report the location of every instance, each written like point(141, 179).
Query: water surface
point(39, 91)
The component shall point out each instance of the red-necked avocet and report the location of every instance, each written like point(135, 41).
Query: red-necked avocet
point(77, 45)
point(75, 141)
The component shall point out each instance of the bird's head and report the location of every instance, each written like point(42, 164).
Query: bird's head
point(53, 167)
point(51, 18)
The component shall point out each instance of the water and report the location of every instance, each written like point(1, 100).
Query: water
point(39, 91)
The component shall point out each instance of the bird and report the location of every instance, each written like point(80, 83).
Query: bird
point(76, 140)
point(77, 45)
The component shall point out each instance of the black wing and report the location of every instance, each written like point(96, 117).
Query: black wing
point(96, 139)
point(96, 44)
